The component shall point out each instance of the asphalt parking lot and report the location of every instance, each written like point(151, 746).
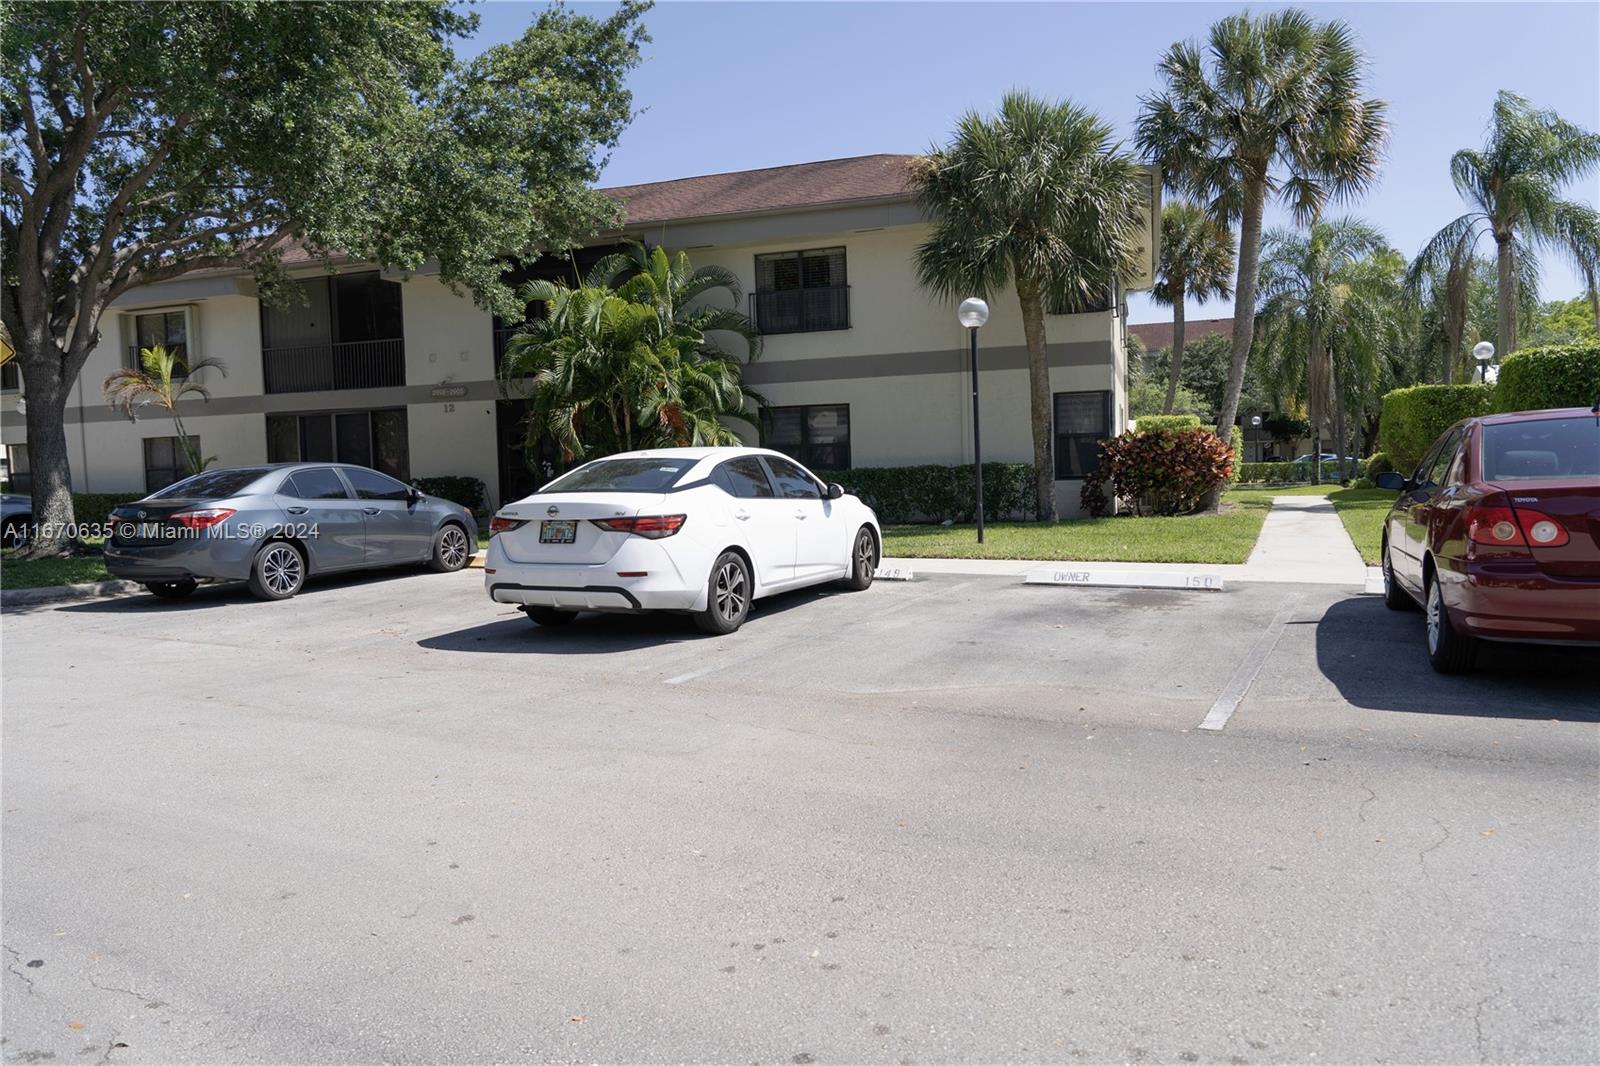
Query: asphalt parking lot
point(952, 819)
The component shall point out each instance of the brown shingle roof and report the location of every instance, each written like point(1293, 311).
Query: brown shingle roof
point(800, 185)
point(1158, 335)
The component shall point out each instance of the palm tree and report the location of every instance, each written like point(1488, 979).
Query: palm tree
point(162, 378)
point(1302, 303)
point(1273, 108)
point(1197, 259)
point(1039, 197)
point(615, 364)
point(1513, 187)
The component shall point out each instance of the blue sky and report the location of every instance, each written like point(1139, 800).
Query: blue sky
point(731, 86)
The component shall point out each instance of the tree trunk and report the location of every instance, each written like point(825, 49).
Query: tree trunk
point(1032, 301)
point(1341, 445)
point(1316, 392)
point(1244, 312)
point(1594, 295)
point(1176, 285)
point(1506, 308)
point(46, 399)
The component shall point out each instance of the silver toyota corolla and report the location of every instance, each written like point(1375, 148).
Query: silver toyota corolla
point(273, 526)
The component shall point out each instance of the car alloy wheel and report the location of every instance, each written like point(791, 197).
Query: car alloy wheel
point(453, 547)
point(731, 592)
point(282, 570)
point(866, 554)
point(1435, 613)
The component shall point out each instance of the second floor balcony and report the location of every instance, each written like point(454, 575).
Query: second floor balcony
point(342, 332)
point(341, 365)
point(807, 310)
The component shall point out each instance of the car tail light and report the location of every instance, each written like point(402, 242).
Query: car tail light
point(653, 526)
point(502, 525)
point(1522, 528)
point(204, 518)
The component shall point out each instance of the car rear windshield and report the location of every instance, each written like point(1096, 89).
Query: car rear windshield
point(1547, 447)
point(622, 475)
point(213, 484)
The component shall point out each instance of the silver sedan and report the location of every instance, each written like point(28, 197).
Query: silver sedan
point(274, 526)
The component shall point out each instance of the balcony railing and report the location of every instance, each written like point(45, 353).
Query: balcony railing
point(801, 310)
point(325, 367)
point(502, 335)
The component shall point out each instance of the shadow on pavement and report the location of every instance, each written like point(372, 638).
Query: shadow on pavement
point(235, 594)
point(1377, 659)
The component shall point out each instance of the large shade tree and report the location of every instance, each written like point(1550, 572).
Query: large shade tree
point(1197, 260)
point(1515, 190)
point(1037, 196)
point(642, 354)
point(1271, 107)
point(146, 141)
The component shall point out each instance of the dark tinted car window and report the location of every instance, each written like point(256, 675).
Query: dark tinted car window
point(319, 484)
point(1437, 461)
point(371, 485)
point(1549, 447)
point(746, 479)
point(622, 475)
point(213, 484)
point(793, 483)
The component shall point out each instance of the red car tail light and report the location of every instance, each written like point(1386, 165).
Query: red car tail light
point(1522, 528)
point(502, 525)
point(654, 526)
point(204, 518)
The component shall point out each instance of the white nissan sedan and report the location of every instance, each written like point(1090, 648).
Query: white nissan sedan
point(699, 530)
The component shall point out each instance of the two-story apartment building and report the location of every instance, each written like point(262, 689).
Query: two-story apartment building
point(861, 367)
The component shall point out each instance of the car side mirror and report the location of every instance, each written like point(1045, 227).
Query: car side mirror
point(413, 494)
point(1391, 479)
point(835, 490)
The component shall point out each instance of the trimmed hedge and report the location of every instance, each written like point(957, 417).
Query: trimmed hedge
point(467, 491)
point(91, 508)
point(1145, 423)
point(936, 493)
point(1413, 418)
point(1377, 463)
point(1555, 375)
point(1293, 473)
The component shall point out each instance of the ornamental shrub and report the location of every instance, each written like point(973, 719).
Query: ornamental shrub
point(1092, 497)
point(1149, 422)
point(1555, 375)
point(1377, 463)
point(1237, 440)
point(935, 493)
point(467, 491)
point(1413, 418)
point(1166, 471)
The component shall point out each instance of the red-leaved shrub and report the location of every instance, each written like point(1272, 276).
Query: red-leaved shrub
point(1166, 471)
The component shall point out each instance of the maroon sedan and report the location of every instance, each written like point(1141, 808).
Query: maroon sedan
point(1497, 534)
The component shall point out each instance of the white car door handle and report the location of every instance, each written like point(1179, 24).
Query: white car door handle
point(800, 515)
point(742, 515)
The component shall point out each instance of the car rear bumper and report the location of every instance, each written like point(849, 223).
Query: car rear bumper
point(212, 558)
point(1534, 607)
point(597, 586)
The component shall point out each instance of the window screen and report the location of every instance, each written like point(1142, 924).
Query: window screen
point(1082, 420)
point(818, 435)
point(798, 292)
point(165, 461)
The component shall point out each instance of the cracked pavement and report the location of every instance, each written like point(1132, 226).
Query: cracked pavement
point(949, 820)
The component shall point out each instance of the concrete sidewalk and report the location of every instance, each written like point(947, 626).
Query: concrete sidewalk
point(1301, 542)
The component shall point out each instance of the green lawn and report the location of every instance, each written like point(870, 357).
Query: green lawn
point(1218, 538)
point(1362, 511)
point(46, 573)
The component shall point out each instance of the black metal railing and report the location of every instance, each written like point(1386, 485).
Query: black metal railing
point(801, 310)
point(180, 370)
point(323, 367)
point(502, 336)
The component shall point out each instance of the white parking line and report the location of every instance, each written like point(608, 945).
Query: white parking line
point(1245, 675)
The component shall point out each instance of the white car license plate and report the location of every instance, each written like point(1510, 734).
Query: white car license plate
point(558, 532)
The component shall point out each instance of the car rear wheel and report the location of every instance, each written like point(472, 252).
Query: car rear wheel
point(863, 561)
point(1449, 651)
point(278, 572)
point(450, 550)
point(172, 590)
point(550, 616)
point(727, 596)
point(1394, 597)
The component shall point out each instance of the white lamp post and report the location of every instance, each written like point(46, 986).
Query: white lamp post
point(1483, 352)
point(972, 314)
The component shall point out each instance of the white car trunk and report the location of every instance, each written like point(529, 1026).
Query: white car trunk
point(541, 539)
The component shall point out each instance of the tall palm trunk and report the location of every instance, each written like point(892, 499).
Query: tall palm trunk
point(1506, 308)
point(1176, 287)
point(1316, 392)
point(1032, 300)
point(1341, 446)
point(1594, 295)
point(1244, 311)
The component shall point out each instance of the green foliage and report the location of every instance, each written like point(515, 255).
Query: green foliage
point(93, 507)
point(1198, 257)
point(163, 378)
point(1377, 463)
point(1165, 471)
point(1565, 322)
point(1236, 443)
point(1149, 395)
point(940, 493)
point(614, 365)
point(1283, 427)
point(1149, 422)
point(1413, 418)
point(1287, 473)
point(1553, 376)
point(466, 491)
